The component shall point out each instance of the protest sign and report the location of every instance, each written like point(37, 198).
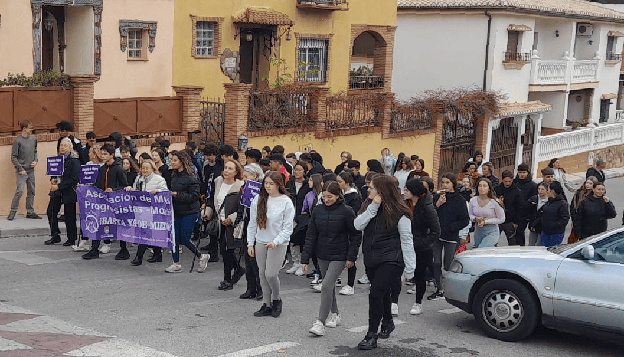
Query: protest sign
point(89, 174)
point(250, 191)
point(55, 165)
point(131, 216)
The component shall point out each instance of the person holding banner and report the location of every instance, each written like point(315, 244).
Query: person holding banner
point(268, 235)
point(150, 180)
point(185, 193)
point(63, 190)
point(111, 177)
point(226, 200)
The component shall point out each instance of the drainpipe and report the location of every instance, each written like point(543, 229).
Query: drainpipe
point(487, 50)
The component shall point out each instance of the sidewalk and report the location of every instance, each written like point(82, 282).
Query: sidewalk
point(577, 178)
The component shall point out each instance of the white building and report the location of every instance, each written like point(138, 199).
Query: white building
point(565, 53)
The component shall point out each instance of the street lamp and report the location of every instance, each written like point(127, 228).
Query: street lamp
point(242, 142)
point(49, 21)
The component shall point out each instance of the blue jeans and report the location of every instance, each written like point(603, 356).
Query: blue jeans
point(486, 236)
point(550, 240)
point(184, 226)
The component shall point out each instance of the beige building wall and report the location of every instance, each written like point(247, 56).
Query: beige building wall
point(122, 78)
point(16, 38)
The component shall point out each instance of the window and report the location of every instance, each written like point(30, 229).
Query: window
point(313, 52)
point(610, 250)
point(604, 110)
point(204, 43)
point(611, 53)
point(135, 44)
point(513, 38)
point(535, 41)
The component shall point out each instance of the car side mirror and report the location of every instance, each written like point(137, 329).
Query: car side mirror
point(588, 252)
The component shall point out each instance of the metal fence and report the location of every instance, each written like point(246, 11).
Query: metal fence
point(354, 111)
point(408, 117)
point(366, 82)
point(517, 57)
point(212, 125)
point(281, 110)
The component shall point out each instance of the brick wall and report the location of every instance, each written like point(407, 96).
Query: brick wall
point(384, 49)
point(191, 98)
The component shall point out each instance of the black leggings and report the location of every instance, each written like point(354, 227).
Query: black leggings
point(395, 290)
point(424, 260)
point(351, 276)
point(379, 302)
point(251, 274)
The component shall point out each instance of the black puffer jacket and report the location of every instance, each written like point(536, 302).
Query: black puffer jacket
point(535, 215)
point(353, 200)
point(297, 198)
point(592, 171)
point(360, 183)
point(186, 201)
point(591, 216)
point(492, 179)
point(331, 234)
point(528, 189)
point(556, 215)
point(117, 179)
point(453, 216)
point(425, 224)
point(510, 196)
point(69, 180)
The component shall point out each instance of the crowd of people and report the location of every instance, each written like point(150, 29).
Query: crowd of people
point(407, 229)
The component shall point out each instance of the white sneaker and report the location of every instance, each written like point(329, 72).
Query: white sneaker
point(317, 329)
point(411, 291)
point(105, 248)
point(416, 309)
point(317, 279)
point(203, 263)
point(364, 280)
point(339, 282)
point(82, 247)
point(293, 269)
point(299, 271)
point(317, 287)
point(346, 290)
point(333, 320)
point(395, 309)
point(174, 268)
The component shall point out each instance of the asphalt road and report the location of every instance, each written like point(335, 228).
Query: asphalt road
point(185, 315)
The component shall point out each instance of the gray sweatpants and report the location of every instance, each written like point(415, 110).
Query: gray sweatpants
point(269, 264)
point(29, 182)
point(330, 271)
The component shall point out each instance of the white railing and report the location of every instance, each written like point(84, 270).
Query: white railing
point(549, 72)
point(619, 115)
point(578, 141)
point(585, 71)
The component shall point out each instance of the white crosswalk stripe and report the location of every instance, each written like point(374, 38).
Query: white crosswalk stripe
point(361, 329)
point(257, 351)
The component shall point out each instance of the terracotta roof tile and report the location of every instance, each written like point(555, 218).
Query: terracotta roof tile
point(512, 109)
point(263, 16)
point(561, 8)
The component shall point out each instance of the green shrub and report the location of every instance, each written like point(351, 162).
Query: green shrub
point(39, 79)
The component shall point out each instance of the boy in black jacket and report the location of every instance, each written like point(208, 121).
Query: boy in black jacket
point(509, 194)
point(528, 189)
point(111, 177)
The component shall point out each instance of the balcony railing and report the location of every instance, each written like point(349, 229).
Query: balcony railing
point(585, 71)
point(549, 72)
point(366, 82)
point(614, 56)
point(517, 57)
point(333, 5)
point(619, 115)
point(563, 71)
point(578, 141)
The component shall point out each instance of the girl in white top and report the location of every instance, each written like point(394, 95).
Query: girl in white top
point(560, 175)
point(270, 226)
point(404, 171)
point(487, 213)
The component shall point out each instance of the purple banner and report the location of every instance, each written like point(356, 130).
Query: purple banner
point(250, 191)
point(131, 216)
point(55, 165)
point(89, 174)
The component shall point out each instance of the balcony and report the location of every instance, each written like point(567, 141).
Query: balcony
point(366, 82)
point(513, 60)
point(330, 5)
point(564, 71)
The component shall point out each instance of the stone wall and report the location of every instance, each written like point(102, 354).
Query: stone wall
point(614, 156)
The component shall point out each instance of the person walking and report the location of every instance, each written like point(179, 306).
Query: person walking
point(425, 231)
point(315, 183)
point(404, 169)
point(298, 188)
point(597, 171)
point(185, 193)
point(488, 173)
point(477, 158)
point(345, 156)
point(270, 225)
point(24, 158)
point(151, 181)
point(333, 238)
point(419, 169)
point(585, 190)
point(63, 189)
point(251, 172)
point(352, 199)
point(453, 215)
point(593, 212)
point(509, 194)
point(387, 161)
point(536, 206)
point(560, 174)
point(226, 202)
point(131, 168)
point(528, 189)
point(487, 213)
point(388, 249)
point(555, 216)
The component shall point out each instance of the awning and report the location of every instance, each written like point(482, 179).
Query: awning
point(520, 28)
point(263, 17)
point(616, 34)
point(608, 96)
point(514, 109)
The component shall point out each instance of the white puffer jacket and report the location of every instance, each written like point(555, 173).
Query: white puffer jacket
point(151, 183)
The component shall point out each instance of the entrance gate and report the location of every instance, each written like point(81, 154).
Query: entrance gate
point(458, 142)
point(212, 122)
point(504, 142)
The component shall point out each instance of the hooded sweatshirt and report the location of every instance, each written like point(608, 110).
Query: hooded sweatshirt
point(113, 176)
point(528, 189)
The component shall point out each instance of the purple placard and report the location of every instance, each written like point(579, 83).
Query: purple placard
point(250, 191)
point(132, 216)
point(56, 165)
point(89, 174)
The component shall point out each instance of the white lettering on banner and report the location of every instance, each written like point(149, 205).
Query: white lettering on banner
point(135, 223)
point(160, 226)
point(111, 221)
point(160, 210)
point(161, 199)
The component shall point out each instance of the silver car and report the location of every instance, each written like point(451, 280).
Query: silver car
point(510, 290)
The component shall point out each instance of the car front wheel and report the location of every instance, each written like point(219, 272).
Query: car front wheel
point(506, 310)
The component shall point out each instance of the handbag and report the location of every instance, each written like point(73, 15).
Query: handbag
point(573, 238)
point(214, 225)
